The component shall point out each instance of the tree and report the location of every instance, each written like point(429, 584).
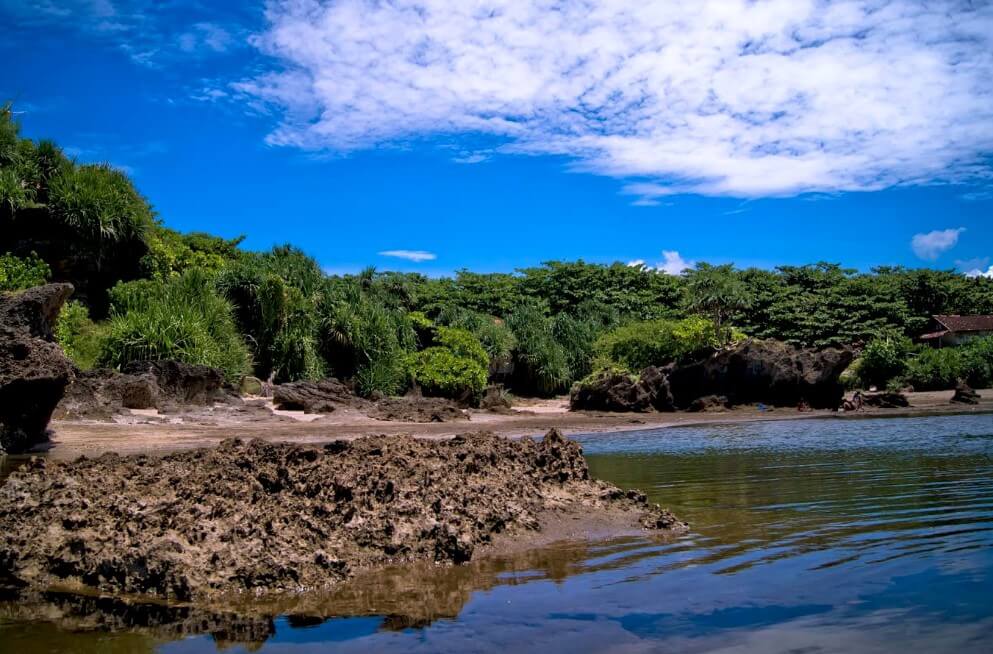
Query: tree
point(715, 291)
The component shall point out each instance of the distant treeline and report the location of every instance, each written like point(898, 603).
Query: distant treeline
point(146, 291)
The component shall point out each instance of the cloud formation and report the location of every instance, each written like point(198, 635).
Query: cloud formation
point(933, 244)
point(979, 273)
point(417, 256)
point(672, 264)
point(150, 32)
point(725, 97)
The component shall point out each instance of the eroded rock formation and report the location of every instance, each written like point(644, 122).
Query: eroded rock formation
point(262, 516)
point(33, 369)
point(322, 396)
point(770, 372)
point(754, 371)
point(168, 386)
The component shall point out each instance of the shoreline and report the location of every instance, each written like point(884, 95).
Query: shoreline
point(71, 439)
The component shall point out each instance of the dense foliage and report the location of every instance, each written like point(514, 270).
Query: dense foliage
point(637, 345)
point(153, 292)
point(454, 367)
point(18, 273)
point(184, 318)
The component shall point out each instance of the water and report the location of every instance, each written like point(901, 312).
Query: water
point(807, 536)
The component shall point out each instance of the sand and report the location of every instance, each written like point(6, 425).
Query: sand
point(71, 439)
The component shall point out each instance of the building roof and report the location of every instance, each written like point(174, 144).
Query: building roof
point(965, 323)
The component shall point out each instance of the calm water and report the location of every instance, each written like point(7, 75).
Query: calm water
point(810, 536)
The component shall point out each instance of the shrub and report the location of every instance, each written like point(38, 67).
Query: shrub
point(884, 359)
point(98, 205)
point(18, 273)
point(541, 364)
point(940, 369)
point(935, 370)
point(170, 253)
point(184, 319)
point(278, 319)
point(455, 368)
point(637, 345)
point(360, 336)
point(493, 333)
point(81, 338)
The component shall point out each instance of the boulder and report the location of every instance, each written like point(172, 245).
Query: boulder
point(964, 394)
point(495, 399)
point(34, 371)
point(183, 383)
point(709, 403)
point(250, 386)
point(417, 409)
point(770, 372)
point(885, 400)
point(101, 394)
point(612, 390)
point(315, 396)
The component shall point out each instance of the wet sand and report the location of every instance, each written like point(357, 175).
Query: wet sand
point(71, 439)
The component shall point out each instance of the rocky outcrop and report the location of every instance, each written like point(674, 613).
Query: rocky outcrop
point(612, 390)
point(770, 372)
point(885, 400)
point(964, 394)
point(709, 404)
point(168, 386)
point(261, 516)
point(754, 371)
point(416, 409)
point(315, 396)
point(33, 369)
point(495, 399)
point(183, 383)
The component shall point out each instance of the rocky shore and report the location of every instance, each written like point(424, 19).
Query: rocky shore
point(260, 517)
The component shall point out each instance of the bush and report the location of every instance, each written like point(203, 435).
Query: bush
point(360, 336)
point(940, 369)
point(638, 345)
point(184, 319)
point(541, 364)
point(98, 205)
point(277, 317)
point(884, 359)
point(455, 368)
point(170, 253)
point(493, 334)
point(935, 370)
point(18, 273)
point(81, 338)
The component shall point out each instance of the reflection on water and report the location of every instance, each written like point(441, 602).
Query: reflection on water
point(819, 536)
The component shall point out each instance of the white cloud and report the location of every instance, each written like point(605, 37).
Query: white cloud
point(150, 32)
point(728, 97)
point(932, 244)
point(972, 265)
point(205, 36)
point(417, 256)
point(978, 272)
point(672, 264)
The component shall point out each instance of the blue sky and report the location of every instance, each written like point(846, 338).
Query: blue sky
point(498, 135)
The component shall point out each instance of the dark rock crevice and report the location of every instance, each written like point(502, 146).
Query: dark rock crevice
point(34, 371)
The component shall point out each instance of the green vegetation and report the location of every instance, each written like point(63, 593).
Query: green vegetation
point(17, 273)
point(184, 318)
point(146, 291)
point(637, 345)
point(454, 367)
point(81, 338)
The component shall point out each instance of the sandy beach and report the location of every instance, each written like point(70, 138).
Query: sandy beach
point(71, 439)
